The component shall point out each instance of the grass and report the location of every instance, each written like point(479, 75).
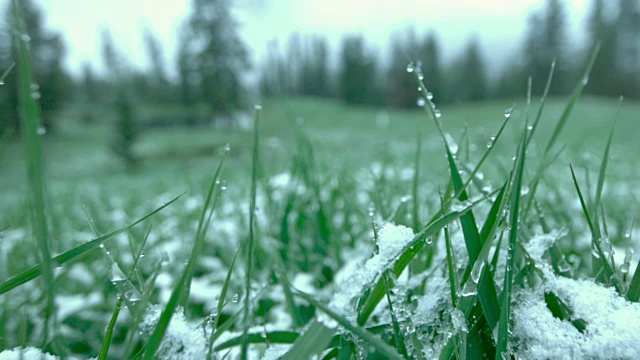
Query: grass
point(305, 247)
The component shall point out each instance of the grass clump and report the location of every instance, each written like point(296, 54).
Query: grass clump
point(344, 261)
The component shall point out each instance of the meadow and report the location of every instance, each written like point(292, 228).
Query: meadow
point(329, 231)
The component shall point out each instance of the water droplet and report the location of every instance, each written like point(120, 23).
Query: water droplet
point(410, 67)
point(430, 95)
point(42, 130)
point(524, 191)
point(165, 259)
point(257, 107)
point(35, 95)
point(420, 76)
point(35, 87)
point(115, 274)
point(235, 298)
point(420, 88)
point(585, 80)
point(25, 37)
point(372, 210)
point(489, 144)
point(563, 265)
point(429, 240)
point(437, 113)
point(421, 102)
point(507, 112)
point(143, 253)
point(227, 148)
point(132, 295)
point(223, 187)
point(529, 127)
point(628, 228)
point(1, 82)
point(469, 289)
point(405, 198)
point(457, 205)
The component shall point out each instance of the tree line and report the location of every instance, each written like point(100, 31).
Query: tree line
point(212, 66)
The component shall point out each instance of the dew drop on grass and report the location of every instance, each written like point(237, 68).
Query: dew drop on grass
point(457, 205)
point(223, 187)
point(1, 82)
point(235, 298)
point(411, 67)
point(420, 76)
point(372, 210)
point(143, 253)
point(430, 95)
point(628, 228)
point(25, 38)
point(585, 80)
point(420, 88)
point(257, 107)
point(35, 95)
point(227, 148)
point(437, 113)
point(165, 259)
point(508, 112)
point(429, 240)
point(470, 288)
point(530, 127)
point(421, 102)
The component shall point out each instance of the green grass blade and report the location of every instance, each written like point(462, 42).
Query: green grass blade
point(312, 342)
point(398, 336)
point(602, 173)
point(187, 273)
point(601, 259)
point(274, 337)
point(6, 73)
point(383, 348)
point(573, 100)
point(104, 351)
point(288, 295)
point(634, 288)
point(414, 189)
point(505, 309)
point(223, 295)
point(203, 225)
point(251, 243)
point(30, 114)
point(73, 253)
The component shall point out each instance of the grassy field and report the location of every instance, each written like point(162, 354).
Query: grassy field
point(335, 186)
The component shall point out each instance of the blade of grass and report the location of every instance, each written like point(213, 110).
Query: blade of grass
point(187, 273)
point(601, 259)
point(312, 342)
point(505, 313)
point(414, 189)
point(251, 241)
point(104, 351)
point(30, 114)
point(223, 295)
point(6, 73)
point(634, 288)
point(397, 334)
point(383, 348)
point(73, 253)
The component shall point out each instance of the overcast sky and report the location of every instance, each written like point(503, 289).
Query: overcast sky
point(500, 24)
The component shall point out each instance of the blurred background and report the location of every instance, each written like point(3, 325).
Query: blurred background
point(126, 69)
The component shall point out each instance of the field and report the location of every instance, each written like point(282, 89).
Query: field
point(335, 188)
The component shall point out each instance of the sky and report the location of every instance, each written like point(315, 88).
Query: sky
point(499, 24)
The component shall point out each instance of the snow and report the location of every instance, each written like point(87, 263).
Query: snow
point(354, 276)
point(72, 304)
point(28, 353)
point(611, 333)
point(181, 340)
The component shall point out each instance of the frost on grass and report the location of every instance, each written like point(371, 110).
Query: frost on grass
point(352, 279)
point(181, 340)
point(611, 333)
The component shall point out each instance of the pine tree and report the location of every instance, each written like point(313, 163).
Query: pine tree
point(605, 70)
point(159, 82)
point(628, 59)
point(545, 42)
point(357, 72)
point(401, 87)
point(471, 79)
point(214, 56)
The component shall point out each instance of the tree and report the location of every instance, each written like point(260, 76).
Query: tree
point(471, 79)
point(605, 71)
point(357, 72)
point(273, 79)
point(401, 87)
point(315, 74)
point(214, 56)
point(47, 52)
point(628, 36)
point(545, 41)
point(158, 79)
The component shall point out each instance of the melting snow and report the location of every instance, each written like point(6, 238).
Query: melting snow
point(181, 340)
point(28, 353)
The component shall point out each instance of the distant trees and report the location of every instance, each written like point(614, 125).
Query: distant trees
point(430, 57)
point(357, 79)
point(470, 79)
point(213, 58)
point(51, 84)
point(158, 80)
